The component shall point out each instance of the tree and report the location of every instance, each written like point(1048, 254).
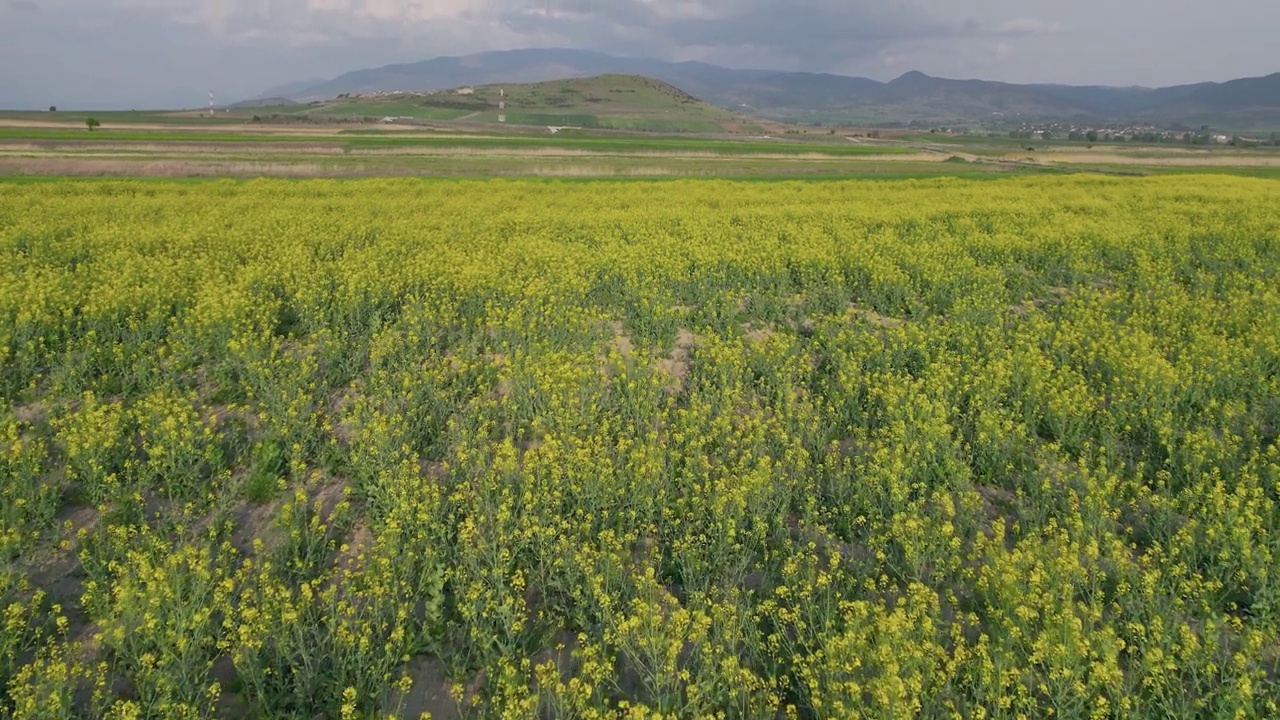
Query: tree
point(53, 108)
point(92, 124)
point(1092, 135)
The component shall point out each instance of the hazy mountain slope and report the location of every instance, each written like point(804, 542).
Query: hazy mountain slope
point(515, 66)
point(790, 95)
point(275, 101)
point(621, 102)
point(1238, 94)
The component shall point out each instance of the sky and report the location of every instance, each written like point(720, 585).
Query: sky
point(121, 54)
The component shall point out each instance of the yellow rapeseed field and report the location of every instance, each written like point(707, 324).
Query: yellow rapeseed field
point(516, 449)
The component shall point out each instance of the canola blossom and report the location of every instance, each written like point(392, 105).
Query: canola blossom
point(689, 449)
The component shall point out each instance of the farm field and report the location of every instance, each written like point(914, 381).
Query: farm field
point(345, 154)
point(187, 145)
point(691, 448)
point(352, 139)
point(255, 151)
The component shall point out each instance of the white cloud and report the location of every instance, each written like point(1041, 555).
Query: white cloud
point(26, 7)
point(1030, 26)
point(683, 9)
point(141, 52)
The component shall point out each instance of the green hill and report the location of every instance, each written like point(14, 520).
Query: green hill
point(1247, 103)
point(621, 102)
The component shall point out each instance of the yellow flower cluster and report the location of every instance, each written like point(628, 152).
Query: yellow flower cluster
point(351, 449)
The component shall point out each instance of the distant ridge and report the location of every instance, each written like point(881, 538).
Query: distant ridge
point(819, 97)
point(264, 102)
point(613, 102)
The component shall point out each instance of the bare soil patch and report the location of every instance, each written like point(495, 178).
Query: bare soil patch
point(246, 127)
point(164, 149)
point(757, 335)
point(676, 365)
point(33, 414)
point(1183, 159)
point(84, 166)
point(621, 340)
point(429, 693)
point(255, 522)
point(875, 318)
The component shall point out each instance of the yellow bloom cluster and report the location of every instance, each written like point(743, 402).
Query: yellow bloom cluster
point(933, 448)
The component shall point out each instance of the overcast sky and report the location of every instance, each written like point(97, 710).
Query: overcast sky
point(170, 53)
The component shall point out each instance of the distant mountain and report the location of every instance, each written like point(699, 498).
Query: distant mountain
point(617, 102)
point(271, 101)
point(289, 90)
point(525, 66)
point(818, 97)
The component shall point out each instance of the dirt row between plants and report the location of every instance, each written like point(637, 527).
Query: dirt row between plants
point(1206, 160)
point(87, 166)
point(243, 127)
point(178, 167)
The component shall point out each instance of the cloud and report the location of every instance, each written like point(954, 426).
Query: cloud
point(28, 7)
point(1029, 26)
point(810, 33)
point(146, 52)
point(801, 34)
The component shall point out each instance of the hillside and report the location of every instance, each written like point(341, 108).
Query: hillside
point(623, 102)
point(816, 97)
point(915, 96)
point(522, 66)
point(264, 102)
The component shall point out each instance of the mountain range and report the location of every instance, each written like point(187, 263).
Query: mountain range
point(1247, 103)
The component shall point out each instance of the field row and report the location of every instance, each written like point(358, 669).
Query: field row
point(372, 140)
